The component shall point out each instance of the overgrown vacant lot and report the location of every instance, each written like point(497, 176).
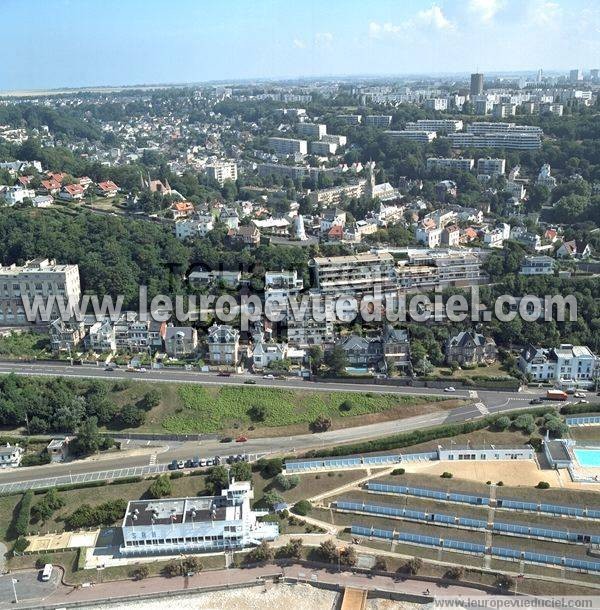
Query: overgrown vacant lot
point(212, 409)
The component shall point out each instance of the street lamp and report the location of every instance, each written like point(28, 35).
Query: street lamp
point(14, 581)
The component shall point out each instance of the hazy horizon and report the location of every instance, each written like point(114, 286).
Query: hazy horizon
point(85, 43)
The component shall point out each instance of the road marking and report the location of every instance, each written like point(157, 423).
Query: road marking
point(481, 408)
point(153, 459)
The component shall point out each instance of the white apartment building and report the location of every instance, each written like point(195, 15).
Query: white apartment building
point(280, 286)
point(449, 163)
point(537, 265)
point(102, 338)
point(350, 119)
point(485, 127)
point(428, 236)
point(496, 236)
point(436, 103)
point(545, 177)
point(354, 274)
point(311, 130)
point(322, 148)
point(222, 171)
point(491, 167)
point(223, 344)
point(567, 364)
point(313, 324)
point(197, 226)
point(10, 456)
point(438, 125)
point(516, 140)
point(334, 139)
point(39, 277)
point(420, 136)
point(378, 120)
point(288, 146)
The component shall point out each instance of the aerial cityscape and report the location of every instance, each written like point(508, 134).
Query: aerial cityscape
point(300, 305)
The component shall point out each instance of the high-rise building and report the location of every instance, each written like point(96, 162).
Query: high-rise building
point(287, 146)
point(595, 74)
point(221, 171)
point(476, 83)
point(576, 75)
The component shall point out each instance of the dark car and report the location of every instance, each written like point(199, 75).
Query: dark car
point(227, 439)
point(536, 401)
point(173, 465)
point(250, 382)
point(195, 461)
point(222, 374)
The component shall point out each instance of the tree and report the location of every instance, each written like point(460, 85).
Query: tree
point(217, 479)
point(502, 423)
point(150, 400)
point(271, 498)
point(291, 550)
point(160, 487)
point(241, 471)
point(380, 564)
point(413, 566)
point(348, 556)
point(504, 582)
point(131, 417)
point(315, 355)
point(302, 507)
point(321, 423)
point(270, 468)
point(455, 573)
point(140, 573)
point(328, 551)
point(336, 360)
point(346, 405)
point(258, 413)
point(285, 482)
point(260, 554)
point(88, 437)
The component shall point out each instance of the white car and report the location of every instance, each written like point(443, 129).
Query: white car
point(583, 402)
point(450, 389)
point(269, 376)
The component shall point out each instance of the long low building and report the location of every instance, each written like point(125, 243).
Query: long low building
point(517, 140)
point(422, 136)
point(484, 452)
point(186, 525)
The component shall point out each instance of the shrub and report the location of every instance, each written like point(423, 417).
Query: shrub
point(257, 413)
point(380, 564)
point(328, 551)
point(398, 471)
point(270, 468)
point(302, 508)
point(446, 475)
point(44, 509)
point(291, 550)
point(500, 483)
point(140, 573)
point(504, 582)
point(502, 423)
point(260, 554)
point(172, 569)
point(348, 556)
point(20, 545)
point(176, 475)
point(271, 498)
point(321, 423)
point(543, 485)
point(455, 573)
point(21, 524)
point(41, 561)
point(525, 422)
point(286, 482)
point(346, 405)
point(413, 566)
point(160, 487)
point(104, 514)
point(241, 471)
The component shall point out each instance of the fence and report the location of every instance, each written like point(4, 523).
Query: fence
point(583, 420)
point(516, 529)
point(298, 466)
point(480, 549)
point(551, 509)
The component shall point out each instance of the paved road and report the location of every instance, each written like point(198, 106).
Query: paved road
point(134, 465)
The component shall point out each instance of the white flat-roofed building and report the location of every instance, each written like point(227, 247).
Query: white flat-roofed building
point(350, 119)
point(10, 456)
point(288, 146)
point(537, 265)
point(456, 453)
point(197, 226)
point(206, 277)
point(414, 135)
point(378, 120)
point(429, 236)
point(567, 364)
point(491, 167)
point(334, 139)
point(222, 171)
point(43, 278)
point(313, 324)
point(485, 127)
point(359, 273)
point(311, 130)
point(280, 286)
point(450, 163)
point(545, 177)
point(438, 104)
point(437, 125)
point(322, 148)
point(173, 526)
point(517, 140)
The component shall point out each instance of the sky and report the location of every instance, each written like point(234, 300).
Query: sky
point(75, 43)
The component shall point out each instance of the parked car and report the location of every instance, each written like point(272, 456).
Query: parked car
point(250, 382)
point(227, 439)
point(180, 464)
point(223, 374)
point(268, 376)
point(450, 389)
point(173, 465)
point(241, 439)
point(536, 401)
point(196, 461)
point(217, 460)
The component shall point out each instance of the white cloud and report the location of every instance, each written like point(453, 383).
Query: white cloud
point(485, 10)
point(431, 18)
point(323, 39)
point(544, 13)
point(434, 17)
point(299, 44)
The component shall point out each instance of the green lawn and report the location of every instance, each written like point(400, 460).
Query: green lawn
point(27, 344)
point(207, 410)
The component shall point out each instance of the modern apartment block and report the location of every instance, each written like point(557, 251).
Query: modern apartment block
point(322, 148)
point(485, 127)
point(334, 139)
point(355, 274)
point(476, 84)
point(313, 324)
point(350, 119)
point(39, 277)
point(438, 125)
point(491, 167)
point(378, 120)
point(438, 104)
point(566, 364)
point(222, 171)
point(449, 163)
point(311, 130)
point(288, 146)
point(415, 135)
point(172, 526)
point(514, 139)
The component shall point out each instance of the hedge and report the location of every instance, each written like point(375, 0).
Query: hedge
point(407, 439)
point(574, 409)
point(21, 524)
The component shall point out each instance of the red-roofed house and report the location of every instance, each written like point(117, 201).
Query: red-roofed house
point(58, 176)
point(84, 181)
point(181, 209)
point(336, 232)
point(551, 235)
point(51, 186)
point(107, 188)
point(468, 235)
point(25, 180)
point(71, 192)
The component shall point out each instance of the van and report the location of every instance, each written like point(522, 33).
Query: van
point(47, 572)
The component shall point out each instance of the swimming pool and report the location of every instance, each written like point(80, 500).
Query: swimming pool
point(589, 458)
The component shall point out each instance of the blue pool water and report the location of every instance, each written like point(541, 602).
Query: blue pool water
point(590, 458)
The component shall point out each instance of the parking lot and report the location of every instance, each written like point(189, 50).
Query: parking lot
point(29, 587)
